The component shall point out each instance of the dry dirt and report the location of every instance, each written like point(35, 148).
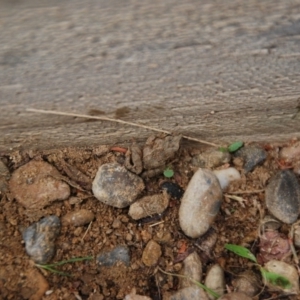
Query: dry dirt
point(237, 223)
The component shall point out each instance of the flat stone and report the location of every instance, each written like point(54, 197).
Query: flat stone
point(200, 203)
point(118, 254)
point(151, 253)
point(40, 239)
point(78, 218)
point(35, 185)
point(211, 159)
point(252, 156)
point(283, 196)
point(148, 206)
point(248, 283)
point(116, 186)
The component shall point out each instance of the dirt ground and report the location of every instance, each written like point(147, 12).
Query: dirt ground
point(237, 223)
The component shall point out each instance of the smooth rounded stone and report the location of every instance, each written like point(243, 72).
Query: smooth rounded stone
point(286, 270)
point(200, 203)
point(247, 282)
point(115, 186)
point(225, 176)
point(291, 152)
point(283, 196)
point(252, 156)
point(215, 280)
point(173, 189)
point(34, 185)
point(190, 293)
point(40, 239)
point(148, 206)
point(235, 296)
point(192, 268)
point(118, 254)
point(134, 296)
point(211, 159)
point(297, 236)
point(78, 218)
point(151, 253)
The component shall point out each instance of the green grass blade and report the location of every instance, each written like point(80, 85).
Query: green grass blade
point(235, 146)
point(71, 260)
point(276, 279)
point(241, 251)
point(53, 270)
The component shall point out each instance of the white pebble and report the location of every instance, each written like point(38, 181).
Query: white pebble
point(226, 176)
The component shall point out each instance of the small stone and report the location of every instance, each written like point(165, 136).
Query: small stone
point(225, 176)
point(235, 296)
point(134, 296)
point(192, 268)
point(116, 224)
point(173, 189)
point(40, 239)
point(215, 280)
point(286, 270)
point(151, 253)
point(78, 218)
point(211, 159)
point(297, 236)
point(291, 153)
point(189, 293)
point(200, 203)
point(110, 258)
point(283, 196)
point(115, 186)
point(252, 156)
point(148, 206)
point(34, 185)
point(247, 282)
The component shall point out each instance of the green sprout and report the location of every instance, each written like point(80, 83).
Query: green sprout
point(168, 172)
point(204, 287)
point(52, 267)
point(273, 278)
point(232, 147)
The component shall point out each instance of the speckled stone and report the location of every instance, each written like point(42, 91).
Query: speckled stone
point(200, 203)
point(114, 185)
point(252, 155)
point(283, 196)
point(40, 239)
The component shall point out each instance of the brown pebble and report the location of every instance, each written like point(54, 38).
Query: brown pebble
point(78, 218)
point(35, 185)
point(151, 254)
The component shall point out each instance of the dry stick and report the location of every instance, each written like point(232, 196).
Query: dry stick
point(53, 112)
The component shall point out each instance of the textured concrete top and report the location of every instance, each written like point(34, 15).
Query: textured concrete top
point(215, 70)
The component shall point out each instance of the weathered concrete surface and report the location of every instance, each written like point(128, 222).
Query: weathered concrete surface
point(166, 64)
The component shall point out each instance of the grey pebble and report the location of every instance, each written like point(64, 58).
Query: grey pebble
point(118, 254)
point(192, 268)
point(40, 239)
point(200, 203)
point(116, 186)
point(247, 282)
point(252, 156)
point(283, 196)
point(215, 280)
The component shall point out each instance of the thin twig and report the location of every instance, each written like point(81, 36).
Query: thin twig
point(87, 231)
point(157, 223)
point(60, 113)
